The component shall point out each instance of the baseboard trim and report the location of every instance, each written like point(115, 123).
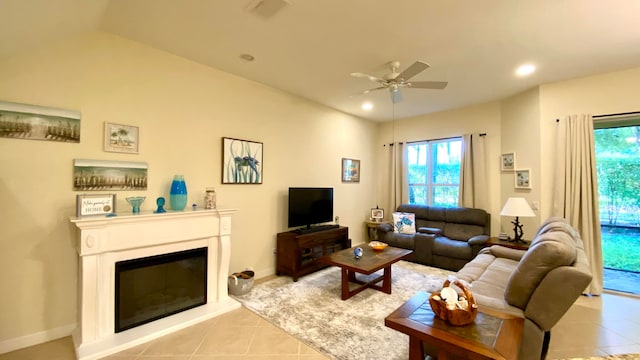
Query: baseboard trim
point(36, 338)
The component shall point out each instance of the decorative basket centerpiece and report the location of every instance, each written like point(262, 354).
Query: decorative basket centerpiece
point(377, 245)
point(457, 309)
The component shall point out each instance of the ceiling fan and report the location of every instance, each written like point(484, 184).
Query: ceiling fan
point(394, 81)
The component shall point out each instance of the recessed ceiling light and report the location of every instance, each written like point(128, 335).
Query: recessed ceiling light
point(367, 106)
point(526, 69)
point(247, 57)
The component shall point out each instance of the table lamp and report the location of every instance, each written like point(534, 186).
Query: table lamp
point(517, 206)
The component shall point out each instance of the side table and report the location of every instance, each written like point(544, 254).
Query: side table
point(372, 228)
point(506, 243)
point(491, 336)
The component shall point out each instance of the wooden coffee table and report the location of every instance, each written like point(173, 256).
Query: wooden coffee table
point(370, 262)
point(492, 335)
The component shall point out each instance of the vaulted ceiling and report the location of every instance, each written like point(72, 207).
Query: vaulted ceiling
point(310, 48)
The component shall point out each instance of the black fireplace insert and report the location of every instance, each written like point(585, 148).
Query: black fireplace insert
point(154, 287)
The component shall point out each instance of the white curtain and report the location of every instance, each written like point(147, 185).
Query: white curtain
point(575, 196)
point(396, 173)
point(473, 173)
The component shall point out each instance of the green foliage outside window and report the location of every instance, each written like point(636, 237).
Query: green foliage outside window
point(618, 166)
point(434, 172)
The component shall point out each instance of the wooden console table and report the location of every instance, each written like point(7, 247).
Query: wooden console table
point(510, 244)
point(491, 336)
point(372, 228)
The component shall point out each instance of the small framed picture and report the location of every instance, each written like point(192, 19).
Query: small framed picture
point(98, 204)
point(350, 170)
point(121, 138)
point(523, 179)
point(377, 214)
point(508, 162)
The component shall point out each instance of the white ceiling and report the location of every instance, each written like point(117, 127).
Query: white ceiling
point(310, 47)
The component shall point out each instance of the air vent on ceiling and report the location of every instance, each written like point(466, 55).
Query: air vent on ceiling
point(266, 8)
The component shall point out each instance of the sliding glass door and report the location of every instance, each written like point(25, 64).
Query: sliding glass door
point(618, 166)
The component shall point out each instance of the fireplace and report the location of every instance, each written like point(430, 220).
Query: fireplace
point(158, 286)
point(119, 252)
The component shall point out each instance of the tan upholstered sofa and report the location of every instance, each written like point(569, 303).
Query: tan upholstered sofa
point(539, 284)
point(447, 238)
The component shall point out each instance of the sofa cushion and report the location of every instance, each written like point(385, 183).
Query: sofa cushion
point(488, 277)
point(466, 216)
point(547, 251)
point(404, 223)
point(452, 248)
point(462, 232)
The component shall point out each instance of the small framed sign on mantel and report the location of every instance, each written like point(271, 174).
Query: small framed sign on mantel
point(98, 204)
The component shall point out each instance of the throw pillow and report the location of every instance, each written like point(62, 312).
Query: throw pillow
point(404, 223)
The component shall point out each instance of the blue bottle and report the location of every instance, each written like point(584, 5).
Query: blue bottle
point(178, 193)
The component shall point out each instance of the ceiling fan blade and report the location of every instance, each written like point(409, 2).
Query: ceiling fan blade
point(413, 70)
point(374, 89)
point(396, 95)
point(428, 84)
point(370, 77)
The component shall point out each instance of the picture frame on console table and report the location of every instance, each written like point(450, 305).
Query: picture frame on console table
point(95, 204)
point(350, 170)
point(377, 214)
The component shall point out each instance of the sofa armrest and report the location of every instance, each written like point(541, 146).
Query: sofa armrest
point(478, 240)
point(385, 228)
point(507, 253)
point(422, 248)
point(430, 230)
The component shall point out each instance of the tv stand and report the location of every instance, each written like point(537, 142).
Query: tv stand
point(312, 229)
point(298, 253)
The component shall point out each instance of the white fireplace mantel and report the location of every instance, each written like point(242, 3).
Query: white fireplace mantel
point(103, 241)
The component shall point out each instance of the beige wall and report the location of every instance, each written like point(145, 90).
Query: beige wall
point(483, 118)
point(183, 110)
point(520, 134)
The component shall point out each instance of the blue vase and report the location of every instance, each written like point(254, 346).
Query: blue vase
point(178, 193)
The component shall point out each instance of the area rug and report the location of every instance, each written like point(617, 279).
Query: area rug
point(312, 311)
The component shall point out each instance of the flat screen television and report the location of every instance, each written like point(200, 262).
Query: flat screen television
point(309, 206)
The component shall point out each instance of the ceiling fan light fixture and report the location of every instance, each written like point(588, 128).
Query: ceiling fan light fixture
point(525, 70)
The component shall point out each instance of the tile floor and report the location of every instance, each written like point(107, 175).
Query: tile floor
point(622, 281)
point(594, 326)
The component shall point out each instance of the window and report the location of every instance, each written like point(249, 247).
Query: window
point(434, 172)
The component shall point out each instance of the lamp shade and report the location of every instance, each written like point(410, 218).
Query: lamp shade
point(517, 206)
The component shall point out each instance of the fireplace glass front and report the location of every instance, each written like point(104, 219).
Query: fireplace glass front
point(154, 287)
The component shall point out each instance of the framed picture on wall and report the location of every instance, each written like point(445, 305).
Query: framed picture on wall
point(33, 122)
point(241, 161)
point(350, 170)
point(121, 138)
point(508, 162)
point(523, 179)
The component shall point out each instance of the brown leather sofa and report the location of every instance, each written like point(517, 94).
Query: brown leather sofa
point(447, 238)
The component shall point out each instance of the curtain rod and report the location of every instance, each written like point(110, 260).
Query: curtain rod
point(409, 142)
point(618, 114)
point(608, 115)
